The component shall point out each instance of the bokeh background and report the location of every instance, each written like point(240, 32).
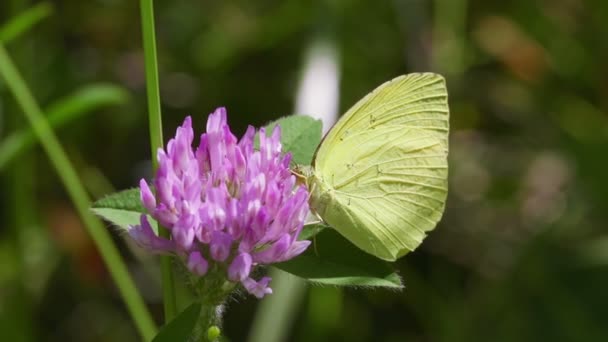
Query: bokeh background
point(522, 251)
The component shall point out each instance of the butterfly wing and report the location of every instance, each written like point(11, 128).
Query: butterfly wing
point(414, 100)
point(381, 172)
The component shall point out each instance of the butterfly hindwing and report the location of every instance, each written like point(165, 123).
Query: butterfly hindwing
point(383, 167)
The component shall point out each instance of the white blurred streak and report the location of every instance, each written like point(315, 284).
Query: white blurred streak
point(317, 96)
point(318, 91)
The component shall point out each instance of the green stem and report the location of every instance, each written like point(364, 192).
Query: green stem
point(78, 195)
point(156, 139)
point(21, 220)
point(207, 318)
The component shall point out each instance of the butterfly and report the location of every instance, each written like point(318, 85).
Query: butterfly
point(379, 176)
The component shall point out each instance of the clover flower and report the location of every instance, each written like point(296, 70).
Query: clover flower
point(228, 206)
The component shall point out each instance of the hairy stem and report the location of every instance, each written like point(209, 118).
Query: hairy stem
point(210, 316)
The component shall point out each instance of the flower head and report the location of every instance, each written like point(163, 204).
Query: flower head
point(228, 206)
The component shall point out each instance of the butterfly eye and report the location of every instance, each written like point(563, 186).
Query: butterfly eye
point(300, 174)
point(300, 180)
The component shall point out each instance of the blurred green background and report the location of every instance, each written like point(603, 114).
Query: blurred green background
point(521, 253)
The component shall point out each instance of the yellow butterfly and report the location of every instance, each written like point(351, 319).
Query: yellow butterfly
point(379, 177)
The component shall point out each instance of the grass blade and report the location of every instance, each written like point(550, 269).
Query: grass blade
point(24, 21)
point(84, 101)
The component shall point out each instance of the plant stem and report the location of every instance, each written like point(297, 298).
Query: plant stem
point(156, 139)
point(207, 318)
point(23, 218)
point(78, 195)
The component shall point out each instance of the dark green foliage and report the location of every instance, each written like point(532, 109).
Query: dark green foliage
point(300, 135)
point(332, 260)
point(125, 200)
point(180, 328)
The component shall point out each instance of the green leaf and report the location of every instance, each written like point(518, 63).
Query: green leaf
point(24, 21)
point(122, 218)
point(332, 260)
point(123, 209)
point(181, 327)
point(83, 101)
point(126, 200)
point(300, 135)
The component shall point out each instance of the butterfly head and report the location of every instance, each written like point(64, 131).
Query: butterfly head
point(303, 174)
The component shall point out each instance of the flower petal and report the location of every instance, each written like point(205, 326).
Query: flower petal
point(275, 252)
point(147, 198)
point(220, 246)
point(197, 264)
point(144, 236)
point(259, 288)
point(240, 267)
